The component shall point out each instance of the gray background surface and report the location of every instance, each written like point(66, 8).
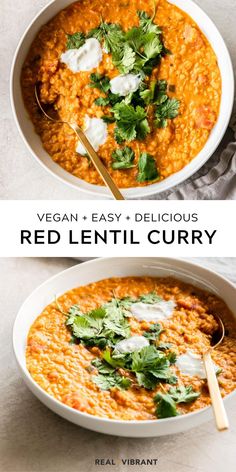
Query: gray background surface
point(33, 439)
point(20, 176)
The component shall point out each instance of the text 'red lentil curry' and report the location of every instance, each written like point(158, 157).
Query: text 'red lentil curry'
point(142, 82)
point(129, 348)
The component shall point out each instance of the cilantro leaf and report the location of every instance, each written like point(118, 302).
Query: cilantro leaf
point(106, 382)
point(150, 297)
point(124, 59)
point(145, 380)
point(102, 367)
point(167, 403)
point(167, 110)
point(96, 33)
point(102, 101)
point(183, 394)
point(117, 135)
point(166, 406)
point(99, 81)
point(103, 326)
point(172, 356)
point(164, 347)
point(153, 333)
point(72, 313)
point(147, 168)
point(145, 358)
point(118, 325)
point(131, 122)
point(147, 24)
point(152, 46)
point(112, 360)
point(113, 36)
point(156, 93)
point(108, 119)
point(88, 325)
point(137, 50)
point(154, 366)
point(123, 158)
point(75, 41)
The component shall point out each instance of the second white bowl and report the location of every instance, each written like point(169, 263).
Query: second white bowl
point(93, 271)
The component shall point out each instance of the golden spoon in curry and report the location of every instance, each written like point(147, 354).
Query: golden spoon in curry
point(214, 390)
point(109, 182)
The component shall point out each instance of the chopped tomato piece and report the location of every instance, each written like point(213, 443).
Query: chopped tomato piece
point(193, 36)
point(205, 117)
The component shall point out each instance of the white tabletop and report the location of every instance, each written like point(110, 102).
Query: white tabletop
point(33, 439)
point(20, 176)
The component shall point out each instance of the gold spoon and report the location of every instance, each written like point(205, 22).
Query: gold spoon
point(109, 182)
point(221, 419)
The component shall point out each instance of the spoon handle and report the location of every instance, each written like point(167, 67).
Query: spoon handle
point(221, 418)
point(98, 163)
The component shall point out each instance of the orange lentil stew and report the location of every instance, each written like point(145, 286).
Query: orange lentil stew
point(74, 348)
point(165, 97)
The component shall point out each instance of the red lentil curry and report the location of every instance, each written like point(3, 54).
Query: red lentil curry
point(71, 349)
point(152, 132)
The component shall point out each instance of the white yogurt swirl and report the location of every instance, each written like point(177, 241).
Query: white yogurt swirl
point(96, 131)
point(153, 312)
point(124, 84)
point(192, 364)
point(87, 57)
point(135, 343)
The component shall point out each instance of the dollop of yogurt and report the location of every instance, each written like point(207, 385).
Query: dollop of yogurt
point(125, 84)
point(135, 343)
point(87, 57)
point(96, 131)
point(158, 311)
point(192, 364)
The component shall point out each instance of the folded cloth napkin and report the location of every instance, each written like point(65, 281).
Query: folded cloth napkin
point(216, 180)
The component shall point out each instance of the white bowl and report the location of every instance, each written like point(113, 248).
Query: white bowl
point(93, 271)
point(33, 141)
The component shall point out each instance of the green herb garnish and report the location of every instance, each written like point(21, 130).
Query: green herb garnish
point(151, 298)
point(167, 403)
point(99, 81)
point(154, 332)
point(149, 365)
point(106, 382)
point(147, 168)
point(75, 41)
point(101, 327)
point(123, 158)
point(107, 377)
point(167, 110)
point(156, 93)
point(131, 122)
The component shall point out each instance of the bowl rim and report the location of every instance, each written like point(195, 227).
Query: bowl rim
point(151, 189)
point(77, 413)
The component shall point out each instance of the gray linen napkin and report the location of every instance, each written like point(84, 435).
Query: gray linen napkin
point(216, 180)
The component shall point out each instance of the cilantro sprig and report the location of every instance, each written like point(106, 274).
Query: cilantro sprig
point(147, 168)
point(123, 158)
point(100, 327)
point(166, 403)
point(154, 332)
point(108, 378)
point(149, 365)
point(105, 325)
point(131, 122)
point(75, 41)
point(138, 50)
